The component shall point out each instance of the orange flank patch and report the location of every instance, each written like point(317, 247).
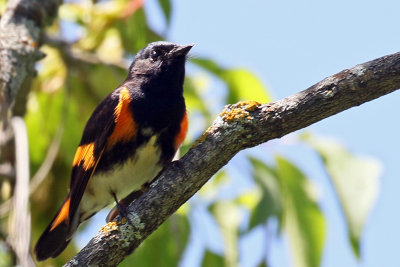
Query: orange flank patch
point(182, 133)
point(125, 126)
point(85, 153)
point(62, 215)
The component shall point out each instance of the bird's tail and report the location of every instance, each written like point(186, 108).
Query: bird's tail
point(57, 234)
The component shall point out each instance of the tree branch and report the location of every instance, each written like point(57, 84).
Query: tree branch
point(20, 29)
point(239, 126)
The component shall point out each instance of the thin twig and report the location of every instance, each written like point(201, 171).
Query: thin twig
point(20, 219)
point(75, 56)
point(45, 168)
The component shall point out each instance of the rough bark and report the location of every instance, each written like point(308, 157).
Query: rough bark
point(21, 27)
point(239, 126)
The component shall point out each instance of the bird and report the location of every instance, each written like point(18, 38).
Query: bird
point(130, 137)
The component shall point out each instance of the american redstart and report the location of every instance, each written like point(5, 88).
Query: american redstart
point(130, 137)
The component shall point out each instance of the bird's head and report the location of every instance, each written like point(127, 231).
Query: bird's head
point(159, 59)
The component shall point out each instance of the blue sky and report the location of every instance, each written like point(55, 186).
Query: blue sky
point(291, 45)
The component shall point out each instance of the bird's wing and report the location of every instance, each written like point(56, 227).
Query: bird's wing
point(111, 122)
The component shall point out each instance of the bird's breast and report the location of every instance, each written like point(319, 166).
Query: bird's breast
point(123, 178)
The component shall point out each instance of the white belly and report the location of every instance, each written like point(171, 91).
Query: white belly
point(123, 180)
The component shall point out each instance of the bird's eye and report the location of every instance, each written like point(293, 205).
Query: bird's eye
point(155, 54)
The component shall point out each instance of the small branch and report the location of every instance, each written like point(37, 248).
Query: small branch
point(76, 56)
point(20, 219)
point(239, 126)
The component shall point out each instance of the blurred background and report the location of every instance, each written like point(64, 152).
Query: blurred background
point(323, 196)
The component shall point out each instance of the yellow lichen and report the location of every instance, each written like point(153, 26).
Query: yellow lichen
point(251, 105)
point(202, 138)
point(240, 110)
point(235, 114)
point(111, 226)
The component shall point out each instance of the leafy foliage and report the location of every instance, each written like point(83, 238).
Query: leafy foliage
point(302, 218)
point(351, 176)
point(242, 84)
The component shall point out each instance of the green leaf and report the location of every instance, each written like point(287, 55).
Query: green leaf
point(270, 202)
point(228, 216)
point(242, 84)
point(164, 247)
point(302, 218)
point(211, 259)
point(356, 183)
point(167, 10)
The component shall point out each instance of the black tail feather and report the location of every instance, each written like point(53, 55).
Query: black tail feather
point(52, 242)
point(57, 234)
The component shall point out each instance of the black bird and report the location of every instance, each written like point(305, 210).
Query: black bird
point(130, 137)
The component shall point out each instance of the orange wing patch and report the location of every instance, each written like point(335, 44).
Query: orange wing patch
point(182, 133)
point(85, 153)
point(125, 126)
point(62, 215)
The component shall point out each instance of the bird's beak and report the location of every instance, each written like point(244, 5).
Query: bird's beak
point(181, 50)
